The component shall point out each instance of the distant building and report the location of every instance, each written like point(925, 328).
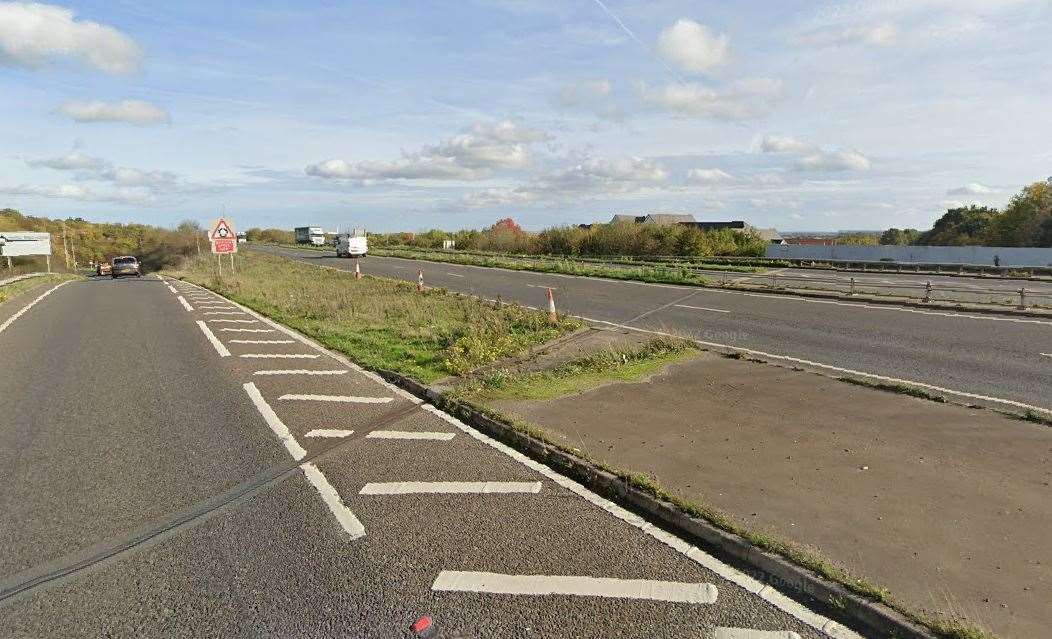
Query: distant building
point(667, 219)
point(631, 219)
point(770, 236)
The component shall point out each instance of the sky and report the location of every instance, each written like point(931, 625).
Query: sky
point(453, 114)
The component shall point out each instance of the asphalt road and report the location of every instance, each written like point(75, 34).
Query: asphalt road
point(174, 466)
point(1000, 358)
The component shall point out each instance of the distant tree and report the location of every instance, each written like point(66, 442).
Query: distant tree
point(899, 237)
point(962, 226)
point(1023, 221)
point(507, 224)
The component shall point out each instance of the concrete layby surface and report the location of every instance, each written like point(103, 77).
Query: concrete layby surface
point(948, 507)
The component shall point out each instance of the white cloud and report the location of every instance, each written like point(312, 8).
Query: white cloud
point(131, 111)
point(832, 161)
point(75, 161)
point(468, 156)
point(32, 34)
point(881, 35)
point(692, 47)
point(76, 192)
point(708, 176)
point(740, 100)
point(88, 168)
point(592, 177)
point(784, 144)
point(585, 92)
point(972, 188)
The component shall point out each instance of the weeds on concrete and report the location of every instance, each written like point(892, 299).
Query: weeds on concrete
point(623, 364)
point(379, 322)
point(902, 389)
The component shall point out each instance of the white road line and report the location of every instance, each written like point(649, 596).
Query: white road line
point(248, 330)
point(22, 311)
point(554, 288)
point(407, 434)
point(450, 487)
point(797, 360)
point(222, 350)
point(186, 305)
point(279, 355)
point(275, 423)
point(300, 371)
point(232, 321)
point(455, 274)
point(171, 288)
point(262, 341)
point(459, 581)
point(223, 312)
point(764, 591)
point(746, 633)
point(702, 308)
point(329, 432)
point(338, 398)
point(347, 519)
point(1047, 354)
point(884, 307)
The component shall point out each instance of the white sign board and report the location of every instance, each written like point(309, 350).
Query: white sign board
point(19, 243)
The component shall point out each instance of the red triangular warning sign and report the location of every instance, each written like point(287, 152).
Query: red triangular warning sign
point(221, 230)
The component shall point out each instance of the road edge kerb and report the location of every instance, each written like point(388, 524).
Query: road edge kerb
point(19, 278)
point(934, 306)
point(838, 602)
point(857, 612)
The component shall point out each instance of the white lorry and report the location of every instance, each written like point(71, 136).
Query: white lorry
point(353, 244)
point(310, 235)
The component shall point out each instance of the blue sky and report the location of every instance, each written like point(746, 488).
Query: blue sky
point(406, 116)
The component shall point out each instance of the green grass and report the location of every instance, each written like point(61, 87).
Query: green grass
point(378, 322)
point(7, 291)
point(610, 365)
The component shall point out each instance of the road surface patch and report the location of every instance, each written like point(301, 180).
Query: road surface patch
point(220, 348)
point(300, 371)
point(337, 398)
point(262, 341)
point(347, 519)
point(407, 434)
point(186, 305)
point(746, 633)
point(702, 308)
point(450, 487)
point(279, 355)
point(329, 432)
point(458, 581)
point(22, 311)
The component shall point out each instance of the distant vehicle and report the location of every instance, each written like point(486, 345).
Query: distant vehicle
point(310, 235)
point(125, 265)
point(103, 268)
point(242, 238)
point(352, 244)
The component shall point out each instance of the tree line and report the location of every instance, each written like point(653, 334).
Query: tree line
point(75, 242)
point(1025, 221)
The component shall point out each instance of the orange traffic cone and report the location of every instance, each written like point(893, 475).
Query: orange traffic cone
point(552, 317)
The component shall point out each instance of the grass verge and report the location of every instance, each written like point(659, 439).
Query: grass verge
point(625, 364)
point(378, 322)
point(7, 291)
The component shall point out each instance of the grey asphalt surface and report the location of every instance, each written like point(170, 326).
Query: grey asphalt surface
point(145, 495)
point(984, 355)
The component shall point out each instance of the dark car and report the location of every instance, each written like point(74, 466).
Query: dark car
point(125, 265)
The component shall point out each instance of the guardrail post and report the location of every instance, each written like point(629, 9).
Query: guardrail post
point(1022, 298)
point(420, 281)
point(852, 286)
point(927, 292)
